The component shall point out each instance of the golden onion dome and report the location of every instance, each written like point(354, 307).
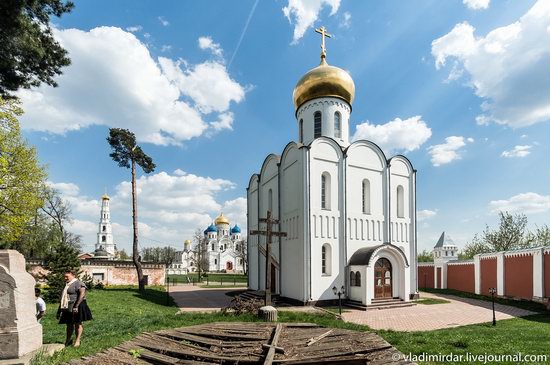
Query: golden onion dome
point(187, 241)
point(105, 197)
point(221, 220)
point(324, 81)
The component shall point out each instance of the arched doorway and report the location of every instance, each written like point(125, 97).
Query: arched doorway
point(228, 266)
point(382, 279)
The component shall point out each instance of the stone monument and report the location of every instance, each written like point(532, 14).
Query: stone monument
point(20, 332)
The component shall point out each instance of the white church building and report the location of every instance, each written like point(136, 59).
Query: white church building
point(348, 210)
point(224, 246)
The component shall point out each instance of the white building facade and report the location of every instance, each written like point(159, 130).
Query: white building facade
point(349, 211)
point(184, 262)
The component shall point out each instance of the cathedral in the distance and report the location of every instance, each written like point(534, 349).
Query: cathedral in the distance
point(224, 250)
point(349, 212)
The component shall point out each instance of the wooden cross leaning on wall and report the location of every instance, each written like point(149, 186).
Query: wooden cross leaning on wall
point(269, 233)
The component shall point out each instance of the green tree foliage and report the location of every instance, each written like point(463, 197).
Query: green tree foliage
point(61, 258)
point(21, 177)
point(128, 154)
point(159, 255)
point(511, 234)
point(425, 256)
point(29, 54)
point(122, 255)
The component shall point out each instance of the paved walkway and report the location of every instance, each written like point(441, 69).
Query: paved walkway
point(196, 299)
point(422, 317)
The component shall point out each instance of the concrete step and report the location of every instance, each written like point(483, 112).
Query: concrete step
point(379, 304)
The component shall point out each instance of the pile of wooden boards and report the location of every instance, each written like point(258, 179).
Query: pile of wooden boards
point(251, 343)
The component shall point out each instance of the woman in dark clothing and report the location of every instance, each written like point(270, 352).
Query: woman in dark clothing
point(73, 309)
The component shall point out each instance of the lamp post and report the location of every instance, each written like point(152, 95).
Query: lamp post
point(493, 292)
point(339, 293)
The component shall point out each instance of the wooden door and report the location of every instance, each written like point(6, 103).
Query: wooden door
point(228, 266)
point(438, 286)
point(382, 279)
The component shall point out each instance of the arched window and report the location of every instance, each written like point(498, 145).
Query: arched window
point(337, 125)
point(352, 278)
point(317, 124)
point(301, 131)
point(357, 278)
point(366, 196)
point(325, 190)
point(326, 259)
point(400, 202)
point(270, 200)
point(104, 228)
point(103, 238)
point(212, 247)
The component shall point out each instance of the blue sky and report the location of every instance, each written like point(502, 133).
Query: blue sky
point(461, 88)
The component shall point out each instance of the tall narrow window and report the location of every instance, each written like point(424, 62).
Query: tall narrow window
point(325, 190)
point(337, 125)
point(317, 125)
point(400, 202)
point(352, 278)
point(366, 196)
point(301, 131)
point(270, 200)
point(326, 259)
point(357, 278)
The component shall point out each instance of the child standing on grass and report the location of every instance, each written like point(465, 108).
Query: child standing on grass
point(73, 309)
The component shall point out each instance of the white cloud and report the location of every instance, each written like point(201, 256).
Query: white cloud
point(517, 151)
point(206, 43)
point(225, 121)
point(304, 13)
point(163, 21)
point(449, 151)
point(477, 4)
point(134, 28)
point(522, 203)
point(507, 68)
point(397, 135)
point(170, 207)
point(208, 84)
point(425, 214)
point(165, 48)
point(114, 81)
point(346, 20)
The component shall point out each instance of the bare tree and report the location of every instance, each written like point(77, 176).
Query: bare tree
point(59, 211)
point(242, 253)
point(201, 252)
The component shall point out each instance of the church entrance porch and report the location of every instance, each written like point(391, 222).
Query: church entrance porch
point(228, 266)
point(383, 279)
point(384, 275)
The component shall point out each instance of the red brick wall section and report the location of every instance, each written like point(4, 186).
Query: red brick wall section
point(518, 277)
point(488, 268)
point(461, 277)
point(426, 277)
point(547, 275)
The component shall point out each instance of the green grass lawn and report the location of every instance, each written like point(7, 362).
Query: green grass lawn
point(212, 277)
point(528, 335)
point(121, 314)
point(523, 304)
point(430, 301)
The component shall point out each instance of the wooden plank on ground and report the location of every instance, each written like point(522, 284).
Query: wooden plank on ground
point(271, 352)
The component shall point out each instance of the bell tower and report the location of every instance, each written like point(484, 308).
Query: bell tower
point(105, 231)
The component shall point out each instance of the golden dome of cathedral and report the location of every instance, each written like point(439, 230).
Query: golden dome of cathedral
point(322, 81)
point(221, 220)
point(105, 197)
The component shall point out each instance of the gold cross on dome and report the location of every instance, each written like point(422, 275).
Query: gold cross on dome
point(323, 32)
